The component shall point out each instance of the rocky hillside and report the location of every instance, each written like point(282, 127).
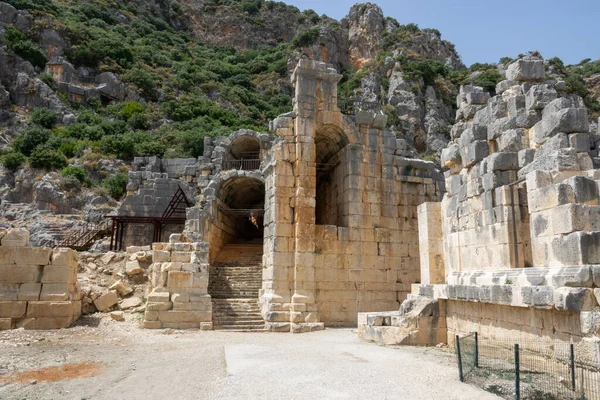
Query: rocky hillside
point(85, 86)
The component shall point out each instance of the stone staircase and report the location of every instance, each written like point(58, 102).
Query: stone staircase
point(234, 283)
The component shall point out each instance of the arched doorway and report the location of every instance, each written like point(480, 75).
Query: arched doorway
point(330, 148)
point(243, 200)
point(244, 154)
point(236, 261)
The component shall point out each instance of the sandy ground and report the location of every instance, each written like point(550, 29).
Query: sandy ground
point(105, 359)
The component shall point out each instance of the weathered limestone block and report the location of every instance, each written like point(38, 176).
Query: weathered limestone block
point(526, 70)
point(59, 274)
point(574, 299)
point(30, 291)
point(7, 255)
point(15, 237)
point(451, 155)
point(48, 309)
point(570, 218)
point(13, 309)
point(19, 273)
point(60, 292)
point(502, 162)
point(33, 255)
point(159, 297)
point(568, 120)
point(584, 189)
point(123, 288)
point(133, 268)
point(474, 152)
point(65, 257)
point(549, 196)
point(106, 301)
point(580, 142)
point(539, 96)
point(180, 279)
point(431, 243)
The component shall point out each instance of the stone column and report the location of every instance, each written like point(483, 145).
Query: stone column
point(316, 93)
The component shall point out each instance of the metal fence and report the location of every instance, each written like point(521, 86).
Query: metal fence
point(530, 370)
point(352, 106)
point(244, 165)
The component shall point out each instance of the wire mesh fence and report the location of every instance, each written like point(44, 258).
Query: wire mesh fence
point(530, 370)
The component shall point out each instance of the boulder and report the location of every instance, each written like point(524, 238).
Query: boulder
point(117, 315)
point(526, 70)
point(123, 288)
point(130, 303)
point(133, 268)
point(106, 301)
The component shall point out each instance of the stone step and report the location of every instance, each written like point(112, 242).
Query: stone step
point(239, 314)
point(241, 328)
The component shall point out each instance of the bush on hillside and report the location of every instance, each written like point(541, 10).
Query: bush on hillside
point(116, 185)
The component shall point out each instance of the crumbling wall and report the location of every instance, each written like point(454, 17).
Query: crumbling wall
point(151, 186)
point(520, 231)
point(179, 279)
point(38, 285)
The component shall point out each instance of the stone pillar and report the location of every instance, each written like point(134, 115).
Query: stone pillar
point(278, 258)
point(431, 243)
point(316, 92)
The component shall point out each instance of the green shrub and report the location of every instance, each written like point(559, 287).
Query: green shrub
point(139, 121)
point(149, 149)
point(76, 172)
point(30, 52)
point(488, 80)
point(116, 185)
point(131, 108)
point(13, 160)
point(48, 79)
point(427, 69)
point(121, 146)
point(47, 158)
point(143, 79)
point(306, 38)
point(43, 117)
point(30, 139)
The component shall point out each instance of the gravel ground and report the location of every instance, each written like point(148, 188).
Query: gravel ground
point(121, 361)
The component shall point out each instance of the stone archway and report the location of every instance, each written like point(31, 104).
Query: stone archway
point(236, 251)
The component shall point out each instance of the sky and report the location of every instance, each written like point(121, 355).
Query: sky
point(485, 31)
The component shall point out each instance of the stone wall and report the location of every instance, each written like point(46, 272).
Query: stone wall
point(340, 208)
point(340, 211)
point(520, 231)
point(151, 186)
point(38, 285)
point(179, 280)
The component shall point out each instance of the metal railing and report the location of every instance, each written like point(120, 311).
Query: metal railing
point(518, 369)
point(243, 165)
point(83, 236)
point(352, 106)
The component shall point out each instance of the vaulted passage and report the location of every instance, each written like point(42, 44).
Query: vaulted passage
point(330, 144)
point(242, 200)
point(236, 266)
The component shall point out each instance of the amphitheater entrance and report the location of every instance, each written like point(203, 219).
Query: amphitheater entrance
point(236, 261)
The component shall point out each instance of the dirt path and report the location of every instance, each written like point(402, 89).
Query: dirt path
point(112, 360)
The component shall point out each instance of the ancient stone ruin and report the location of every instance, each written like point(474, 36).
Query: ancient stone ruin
point(512, 249)
point(38, 285)
point(329, 220)
point(299, 229)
